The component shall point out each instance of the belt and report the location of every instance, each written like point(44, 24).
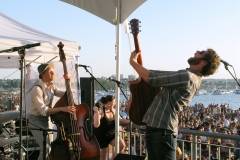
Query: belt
point(159, 130)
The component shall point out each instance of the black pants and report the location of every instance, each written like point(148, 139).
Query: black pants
point(161, 144)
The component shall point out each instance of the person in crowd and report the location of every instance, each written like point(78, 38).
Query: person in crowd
point(42, 94)
point(104, 125)
point(237, 144)
point(176, 89)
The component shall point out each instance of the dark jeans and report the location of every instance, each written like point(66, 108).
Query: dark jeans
point(161, 144)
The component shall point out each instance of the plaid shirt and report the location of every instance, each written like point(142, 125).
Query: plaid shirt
point(177, 88)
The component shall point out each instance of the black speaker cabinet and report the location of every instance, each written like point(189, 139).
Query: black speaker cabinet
point(87, 90)
point(128, 157)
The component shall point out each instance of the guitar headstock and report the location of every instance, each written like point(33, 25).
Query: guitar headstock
point(61, 52)
point(134, 23)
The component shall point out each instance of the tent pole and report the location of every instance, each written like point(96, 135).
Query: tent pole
point(117, 58)
point(21, 53)
point(78, 80)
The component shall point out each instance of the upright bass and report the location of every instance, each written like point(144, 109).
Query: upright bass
point(142, 94)
point(73, 141)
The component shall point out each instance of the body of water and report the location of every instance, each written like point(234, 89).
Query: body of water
point(232, 99)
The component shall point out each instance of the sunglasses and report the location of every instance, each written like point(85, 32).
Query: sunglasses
point(202, 52)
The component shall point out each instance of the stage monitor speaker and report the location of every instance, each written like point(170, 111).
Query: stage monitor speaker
point(87, 90)
point(128, 157)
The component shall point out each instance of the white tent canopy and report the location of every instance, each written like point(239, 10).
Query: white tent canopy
point(107, 9)
point(15, 34)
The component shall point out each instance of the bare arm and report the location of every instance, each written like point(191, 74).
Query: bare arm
point(96, 117)
point(40, 107)
point(142, 72)
point(69, 109)
point(124, 122)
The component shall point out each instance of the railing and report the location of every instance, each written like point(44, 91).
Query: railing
point(214, 151)
point(198, 150)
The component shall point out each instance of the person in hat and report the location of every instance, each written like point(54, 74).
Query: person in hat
point(42, 94)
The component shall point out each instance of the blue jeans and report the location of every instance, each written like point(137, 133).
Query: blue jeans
point(160, 145)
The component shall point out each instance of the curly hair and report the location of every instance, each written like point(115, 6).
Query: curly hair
point(106, 99)
point(213, 62)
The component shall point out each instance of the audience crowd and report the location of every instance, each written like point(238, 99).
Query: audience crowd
point(214, 118)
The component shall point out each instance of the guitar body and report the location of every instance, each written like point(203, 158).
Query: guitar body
point(142, 97)
point(142, 94)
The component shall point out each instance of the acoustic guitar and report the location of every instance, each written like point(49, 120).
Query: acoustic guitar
point(142, 94)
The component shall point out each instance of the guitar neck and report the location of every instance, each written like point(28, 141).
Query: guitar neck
point(137, 48)
point(70, 101)
point(68, 86)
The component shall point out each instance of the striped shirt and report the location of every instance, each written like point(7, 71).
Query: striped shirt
point(177, 88)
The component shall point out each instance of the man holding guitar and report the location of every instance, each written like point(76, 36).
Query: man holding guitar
point(175, 91)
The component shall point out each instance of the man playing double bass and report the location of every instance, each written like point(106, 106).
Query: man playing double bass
point(42, 95)
point(176, 89)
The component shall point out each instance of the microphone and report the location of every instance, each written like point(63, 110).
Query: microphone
point(114, 80)
point(27, 46)
point(84, 66)
point(225, 63)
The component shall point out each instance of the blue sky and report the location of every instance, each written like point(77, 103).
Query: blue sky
point(171, 31)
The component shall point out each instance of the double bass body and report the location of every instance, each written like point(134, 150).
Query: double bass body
point(80, 144)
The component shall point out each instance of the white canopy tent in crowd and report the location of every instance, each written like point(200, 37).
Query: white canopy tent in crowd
point(15, 34)
point(114, 12)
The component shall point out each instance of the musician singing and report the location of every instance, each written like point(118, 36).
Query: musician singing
point(42, 94)
point(176, 89)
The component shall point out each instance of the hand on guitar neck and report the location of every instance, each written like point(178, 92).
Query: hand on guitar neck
point(66, 76)
point(134, 57)
point(134, 61)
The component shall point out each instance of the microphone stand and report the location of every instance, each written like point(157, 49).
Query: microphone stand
point(119, 86)
point(234, 77)
point(130, 125)
point(94, 78)
point(21, 52)
point(92, 96)
point(44, 133)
